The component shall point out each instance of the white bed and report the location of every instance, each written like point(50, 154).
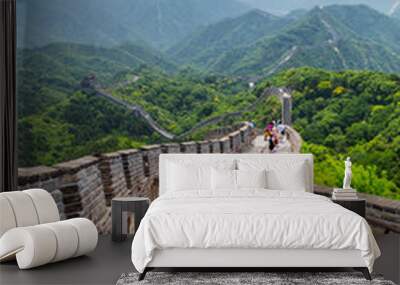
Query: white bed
point(248, 227)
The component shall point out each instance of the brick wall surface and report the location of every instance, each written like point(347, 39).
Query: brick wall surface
point(82, 189)
point(189, 147)
point(151, 188)
point(113, 176)
point(215, 146)
point(134, 171)
point(235, 141)
point(225, 145)
point(150, 158)
point(203, 147)
point(171, 148)
point(247, 134)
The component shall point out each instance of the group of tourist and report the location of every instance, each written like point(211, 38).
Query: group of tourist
point(273, 133)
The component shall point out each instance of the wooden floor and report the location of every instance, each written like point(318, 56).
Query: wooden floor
point(110, 260)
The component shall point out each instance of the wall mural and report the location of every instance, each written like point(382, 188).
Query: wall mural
point(100, 76)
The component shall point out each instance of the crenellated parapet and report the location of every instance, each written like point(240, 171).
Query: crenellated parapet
point(225, 145)
point(215, 146)
point(203, 147)
point(113, 176)
point(84, 187)
point(171, 148)
point(132, 161)
point(235, 141)
point(150, 154)
point(189, 147)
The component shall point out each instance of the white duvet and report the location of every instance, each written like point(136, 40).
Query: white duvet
point(250, 219)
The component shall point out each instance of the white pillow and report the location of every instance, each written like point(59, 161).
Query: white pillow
point(223, 179)
point(251, 178)
point(282, 174)
point(184, 178)
point(292, 179)
point(193, 174)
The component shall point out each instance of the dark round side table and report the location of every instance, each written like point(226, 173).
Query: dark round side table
point(127, 212)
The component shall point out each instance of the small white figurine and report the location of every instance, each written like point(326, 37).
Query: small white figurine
point(347, 174)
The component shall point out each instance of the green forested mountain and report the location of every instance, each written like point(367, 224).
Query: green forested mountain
point(350, 113)
point(202, 47)
point(58, 122)
point(76, 125)
point(333, 37)
point(48, 74)
point(368, 23)
point(197, 33)
point(106, 23)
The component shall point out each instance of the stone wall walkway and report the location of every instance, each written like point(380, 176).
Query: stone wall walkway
point(259, 145)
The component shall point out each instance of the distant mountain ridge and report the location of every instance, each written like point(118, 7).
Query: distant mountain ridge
point(368, 23)
point(282, 7)
point(223, 39)
point(212, 41)
point(334, 37)
point(57, 69)
point(106, 23)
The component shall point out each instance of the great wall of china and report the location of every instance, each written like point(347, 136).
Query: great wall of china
point(90, 85)
point(84, 187)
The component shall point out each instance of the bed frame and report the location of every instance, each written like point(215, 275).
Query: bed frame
point(237, 259)
point(250, 259)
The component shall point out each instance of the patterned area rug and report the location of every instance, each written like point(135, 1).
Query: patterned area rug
point(233, 278)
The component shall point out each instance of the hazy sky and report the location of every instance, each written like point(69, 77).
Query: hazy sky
point(284, 6)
